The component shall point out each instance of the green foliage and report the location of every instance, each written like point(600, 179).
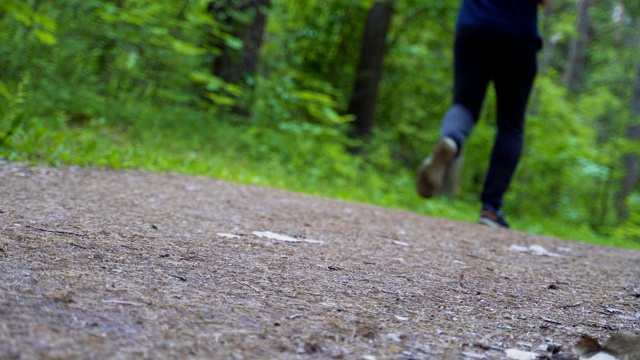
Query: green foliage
point(111, 52)
point(629, 231)
point(12, 113)
point(320, 40)
point(39, 24)
point(300, 123)
point(575, 161)
point(416, 88)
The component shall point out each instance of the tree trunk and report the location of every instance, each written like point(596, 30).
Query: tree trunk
point(630, 160)
point(549, 45)
point(575, 70)
point(369, 71)
point(236, 65)
point(549, 41)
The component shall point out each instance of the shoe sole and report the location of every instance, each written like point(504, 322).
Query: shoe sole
point(489, 223)
point(431, 172)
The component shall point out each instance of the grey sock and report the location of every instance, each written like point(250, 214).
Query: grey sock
point(457, 125)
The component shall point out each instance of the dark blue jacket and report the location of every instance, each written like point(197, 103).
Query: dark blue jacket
point(517, 17)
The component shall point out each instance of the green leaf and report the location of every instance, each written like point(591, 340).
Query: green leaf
point(221, 99)
point(186, 48)
point(45, 37)
point(234, 43)
point(314, 97)
point(4, 91)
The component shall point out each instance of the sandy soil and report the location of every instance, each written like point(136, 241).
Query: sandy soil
point(101, 264)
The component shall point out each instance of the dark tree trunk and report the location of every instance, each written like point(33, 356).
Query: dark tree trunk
point(549, 45)
point(630, 160)
point(235, 65)
point(369, 71)
point(574, 73)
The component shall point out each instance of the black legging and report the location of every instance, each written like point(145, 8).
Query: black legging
point(483, 56)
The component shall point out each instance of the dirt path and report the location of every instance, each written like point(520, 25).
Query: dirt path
point(98, 264)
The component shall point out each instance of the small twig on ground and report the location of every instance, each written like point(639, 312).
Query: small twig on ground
point(178, 277)
point(186, 256)
point(570, 305)
point(249, 285)
point(488, 346)
point(64, 232)
point(80, 246)
point(461, 281)
point(604, 327)
point(550, 320)
point(122, 302)
point(183, 278)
